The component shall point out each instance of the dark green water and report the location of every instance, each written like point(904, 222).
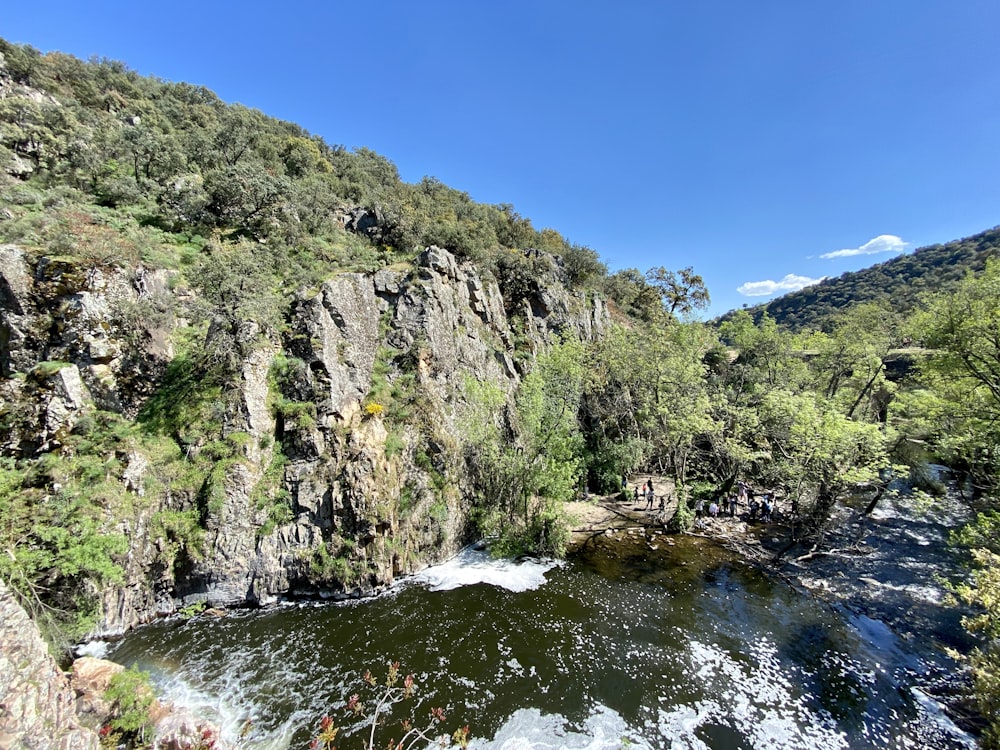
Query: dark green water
point(595, 653)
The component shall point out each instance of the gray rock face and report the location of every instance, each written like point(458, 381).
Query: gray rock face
point(356, 496)
point(95, 318)
point(342, 322)
point(15, 311)
point(37, 705)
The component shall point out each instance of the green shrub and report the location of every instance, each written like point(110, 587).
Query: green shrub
point(131, 699)
point(683, 518)
point(394, 444)
point(324, 567)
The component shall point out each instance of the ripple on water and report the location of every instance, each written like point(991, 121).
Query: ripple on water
point(581, 662)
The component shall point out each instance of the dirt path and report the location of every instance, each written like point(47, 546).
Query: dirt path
point(603, 514)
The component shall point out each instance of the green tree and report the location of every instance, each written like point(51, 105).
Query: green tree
point(758, 360)
point(962, 330)
point(583, 265)
point(648, 394)
point(850, 362)
point(238, 300)
point(245, 196)
point(962, 382)
point(131, 699)
point(633, 295)
point(524, 474)
point(816, 454)
point(682, 291)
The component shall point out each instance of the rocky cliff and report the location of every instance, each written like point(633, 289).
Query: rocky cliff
point(37, 704)
point(334, 463)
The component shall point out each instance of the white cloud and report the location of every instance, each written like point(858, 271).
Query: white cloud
point(791, 283)
point(884, 243)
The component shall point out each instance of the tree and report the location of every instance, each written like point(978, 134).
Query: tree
point(583, 265)
point(963, 332)
point(963, 378)
point(245, 196)
point(648, 390)
point(633, 295)
point(524, 472)
point(850, 361)
point(816, 454)
point(239, 301)
point(682, 292)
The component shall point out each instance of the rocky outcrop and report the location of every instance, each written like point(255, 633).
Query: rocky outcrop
point(173, 728)
point(43, 708)
point(37, 704)
point(85, 335)
point(347, 468)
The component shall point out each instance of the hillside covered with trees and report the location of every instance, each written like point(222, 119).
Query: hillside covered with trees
point(899, 284)
point(238, 363)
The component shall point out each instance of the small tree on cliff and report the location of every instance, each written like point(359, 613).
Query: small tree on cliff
point(238, 298)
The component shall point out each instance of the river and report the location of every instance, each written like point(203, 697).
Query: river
point(595, 652)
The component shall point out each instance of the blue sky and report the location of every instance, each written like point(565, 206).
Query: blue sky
point(759, 142)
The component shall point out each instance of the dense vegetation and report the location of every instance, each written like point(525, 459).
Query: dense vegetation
point(111, 169)
point(899, 284)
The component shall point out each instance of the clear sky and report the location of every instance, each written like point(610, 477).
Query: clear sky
point(746, 139)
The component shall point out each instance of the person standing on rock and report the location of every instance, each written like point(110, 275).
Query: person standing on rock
point(649, 496)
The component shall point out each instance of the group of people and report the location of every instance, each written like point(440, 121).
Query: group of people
point(761, 509)
point(757, 509)
point(647, 493)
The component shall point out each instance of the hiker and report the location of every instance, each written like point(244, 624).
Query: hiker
point(649, 496)
point(699, 507)
point(732, 506)
point(713, 509)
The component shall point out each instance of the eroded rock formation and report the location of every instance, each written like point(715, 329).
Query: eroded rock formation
point(325, 495)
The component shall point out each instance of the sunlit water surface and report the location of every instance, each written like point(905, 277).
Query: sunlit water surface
point(585, 654)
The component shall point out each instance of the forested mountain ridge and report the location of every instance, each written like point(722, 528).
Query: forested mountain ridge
point(898, 284)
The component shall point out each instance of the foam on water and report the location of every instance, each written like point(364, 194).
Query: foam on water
point(234, 706)
point(471, 567)
point(754, 699)
point(96, 649)
point(934, 713)
point(530, 729)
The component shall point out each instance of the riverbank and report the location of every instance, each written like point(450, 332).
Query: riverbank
point(609, 515)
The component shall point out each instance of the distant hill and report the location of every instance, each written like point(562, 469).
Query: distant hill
point(899, 282)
